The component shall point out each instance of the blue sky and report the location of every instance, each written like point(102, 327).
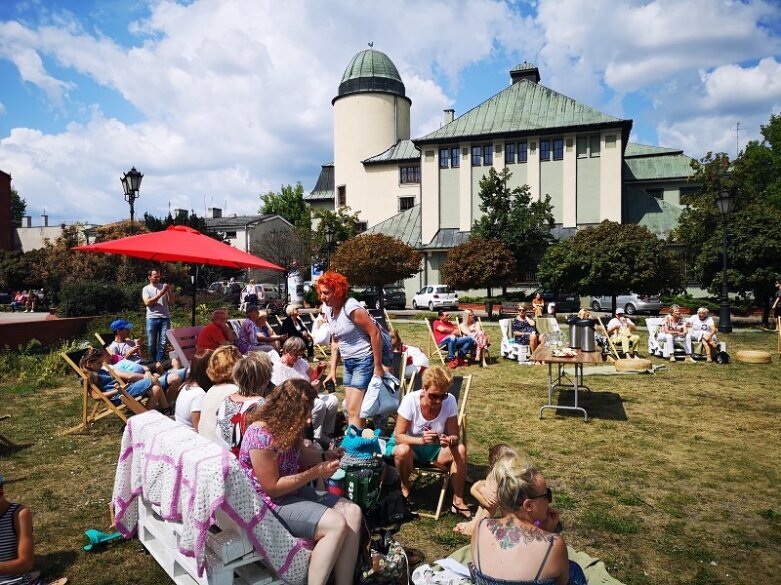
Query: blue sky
point(218, 101)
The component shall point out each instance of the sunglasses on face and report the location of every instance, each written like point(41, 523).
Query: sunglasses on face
point(436, 397)
point(548, 495)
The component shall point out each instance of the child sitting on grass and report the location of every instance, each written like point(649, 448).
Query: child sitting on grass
point(16, 544)
point(484, 491)
point(97, 361)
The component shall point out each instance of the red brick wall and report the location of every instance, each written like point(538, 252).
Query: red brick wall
point(6, 230)
point(49, 332)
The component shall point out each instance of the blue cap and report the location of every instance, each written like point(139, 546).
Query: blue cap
point(121, 324)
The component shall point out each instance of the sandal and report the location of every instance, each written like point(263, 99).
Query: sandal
point(465, 512)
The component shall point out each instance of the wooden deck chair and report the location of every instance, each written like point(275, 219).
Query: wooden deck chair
point(399, 365)
point(184, 340)
point(276, 326)
point(235, 326)
point(414, 383)
point(460, 389)
point(104, 339)
point(323, 349)
point(778, 331)
point(432, 341)
point(96, 405)
point(5, 441)
point(388, 320)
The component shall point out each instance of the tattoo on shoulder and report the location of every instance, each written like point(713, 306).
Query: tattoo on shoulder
point(511, 533)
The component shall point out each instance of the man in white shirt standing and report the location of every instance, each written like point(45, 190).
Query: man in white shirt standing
point(621, 329)
point(704, 329)
point(157, 298)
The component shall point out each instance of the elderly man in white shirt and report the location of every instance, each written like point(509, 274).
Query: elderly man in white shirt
point(702, 328)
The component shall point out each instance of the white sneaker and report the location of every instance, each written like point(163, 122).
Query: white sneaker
point(672, 358)
point(689, 360)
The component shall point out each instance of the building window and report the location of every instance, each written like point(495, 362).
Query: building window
point(444, 156)
point(523, 152)
point(488, 154)
point(410, 174)
point(406, 203)
point(544, 150)
point(686, 194)
point(558, 148)
point(509, 153)
point(656, 193)
point(476, 155)
point(594, 145)
point(582, 147)
point(341, 195)
point(361, 227)
point(230, 234)
point(455, 158)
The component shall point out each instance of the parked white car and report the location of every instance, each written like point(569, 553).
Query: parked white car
point(631, 303)
point(435, 296)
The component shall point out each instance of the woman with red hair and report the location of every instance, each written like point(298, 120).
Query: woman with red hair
point(365, 348)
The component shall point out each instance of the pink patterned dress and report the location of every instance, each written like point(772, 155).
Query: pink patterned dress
point(257, 437)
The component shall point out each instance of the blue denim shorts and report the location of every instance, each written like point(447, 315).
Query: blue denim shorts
point(358, 372)
point(137, 389)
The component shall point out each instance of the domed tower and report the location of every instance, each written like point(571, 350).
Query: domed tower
point(371, 114)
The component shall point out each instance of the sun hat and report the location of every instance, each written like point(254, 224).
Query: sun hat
point(121, 324)
point(620, 311)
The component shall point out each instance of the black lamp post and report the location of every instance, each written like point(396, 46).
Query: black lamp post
point(724, 201)
point(329, 238)
point(131, 181)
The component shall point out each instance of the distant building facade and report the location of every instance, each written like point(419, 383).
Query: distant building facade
point(425, 190)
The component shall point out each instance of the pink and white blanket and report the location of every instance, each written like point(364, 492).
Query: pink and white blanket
point(189, 478)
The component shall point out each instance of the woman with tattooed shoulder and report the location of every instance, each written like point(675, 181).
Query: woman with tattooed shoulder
point(521, 547)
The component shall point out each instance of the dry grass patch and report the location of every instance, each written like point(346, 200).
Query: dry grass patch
point(674, 471)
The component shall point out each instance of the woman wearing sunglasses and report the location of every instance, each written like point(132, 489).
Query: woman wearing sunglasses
point(427, 431)
point(522, 547)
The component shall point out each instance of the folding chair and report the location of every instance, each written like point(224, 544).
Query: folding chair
point(399, 365)
point(101, 402)
point(460, 390)
point(308, 321)
point(508, 349)
point(388, 319)
point(778, 331)
point(235, 326)
point(3, 439)
point(276, 326)
point(433, 341)
point(184, 340)
point(379, 315)
point(414, 383)
point(104, 339)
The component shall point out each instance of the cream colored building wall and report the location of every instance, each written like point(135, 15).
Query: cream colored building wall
point(569, 214)
point(34, 238)
point(610, 175)
point(465, 187)
point(533, 167)
point(429, 193)
point(387, 188)
point(365, 125)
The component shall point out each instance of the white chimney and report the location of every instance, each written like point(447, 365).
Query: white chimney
point(45, 220)
point(449, 115)
point(27, 221)
point(214, 212)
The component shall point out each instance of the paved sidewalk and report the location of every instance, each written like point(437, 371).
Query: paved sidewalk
point(22, 317)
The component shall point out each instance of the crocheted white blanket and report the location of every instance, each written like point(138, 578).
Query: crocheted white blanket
point(189, 478)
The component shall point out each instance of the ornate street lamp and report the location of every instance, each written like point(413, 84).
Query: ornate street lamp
point(724, 201)
point(329, 238)
point(131, 181)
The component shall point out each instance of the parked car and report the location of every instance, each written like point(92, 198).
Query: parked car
point(268, 296)
point(565, 302)
point(436, 296)
point(231, 290)
point(631, 303)
point(394, 297)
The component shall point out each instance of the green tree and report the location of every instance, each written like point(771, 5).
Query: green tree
point(611, 259)
point(510, 216)
point(290, 204)
point(342, 226)
point(376, 260)
point(155, 224)
point(18, 207)
point(479, 263)
point(754, 226)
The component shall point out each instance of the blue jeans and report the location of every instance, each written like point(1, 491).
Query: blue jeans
point(460, 345)
point(156, 328)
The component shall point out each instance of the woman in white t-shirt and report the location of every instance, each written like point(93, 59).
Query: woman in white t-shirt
point(220, 372)
point(292, 365)
point(427, 431)
point(193, 391)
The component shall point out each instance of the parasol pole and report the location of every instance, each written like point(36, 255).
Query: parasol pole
point(193, 274)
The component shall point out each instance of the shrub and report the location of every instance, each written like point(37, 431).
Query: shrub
point(78, 299)
point(35, 369)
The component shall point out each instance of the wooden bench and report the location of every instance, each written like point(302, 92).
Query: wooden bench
point(183, 340)
point(510, 308)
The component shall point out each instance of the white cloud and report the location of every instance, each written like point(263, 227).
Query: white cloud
point(233, 97)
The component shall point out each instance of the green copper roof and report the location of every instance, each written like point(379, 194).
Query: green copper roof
point(657, 215)
point(523, 107)
point(371, 71)
point(324, 188)
point(404, 226)
point(634, 149)
point(403, 150)
point(662, 166)
point(447, 238)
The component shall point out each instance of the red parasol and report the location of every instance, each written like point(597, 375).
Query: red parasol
point(181, 243)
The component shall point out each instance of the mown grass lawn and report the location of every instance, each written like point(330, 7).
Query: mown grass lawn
point(674, 480)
